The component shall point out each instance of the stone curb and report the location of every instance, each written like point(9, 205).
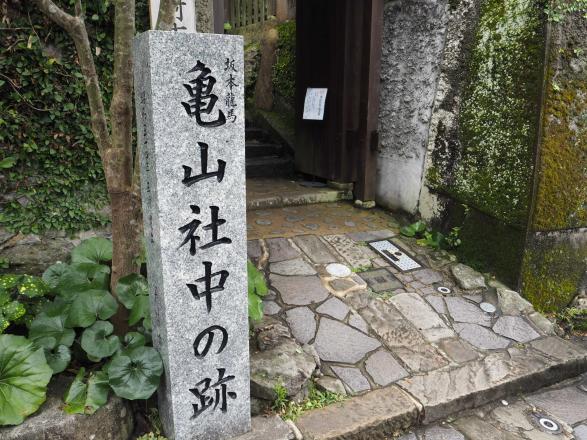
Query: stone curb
point(326, 195)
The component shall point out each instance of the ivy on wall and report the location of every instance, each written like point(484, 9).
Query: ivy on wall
point(284, 69)
point(56, 181)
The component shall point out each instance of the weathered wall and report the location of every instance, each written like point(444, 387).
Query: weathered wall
point(555, 259)
point(205, 16)
point(413, 41)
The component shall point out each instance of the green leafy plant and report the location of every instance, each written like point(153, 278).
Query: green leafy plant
point(77, 315)
point(573, 319)
point(257, 289)
point(414, 230)
point(284, 69)
point(24, 375)
point(434, 239)
point(316, 399)
point(557, 10)
point(20, 297)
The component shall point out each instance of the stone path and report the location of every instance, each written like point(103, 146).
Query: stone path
point(443, 334)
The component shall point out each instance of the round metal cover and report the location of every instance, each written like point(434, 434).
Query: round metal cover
point(546, 423)
point(487, 307)
point(338, 270)
point(443, 289)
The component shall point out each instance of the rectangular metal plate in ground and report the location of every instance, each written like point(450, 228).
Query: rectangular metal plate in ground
point(380, 280)
point(395, 255)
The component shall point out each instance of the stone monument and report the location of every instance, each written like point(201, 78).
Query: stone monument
point(190, 119)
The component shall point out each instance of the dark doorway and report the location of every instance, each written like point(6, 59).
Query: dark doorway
point(339, 48)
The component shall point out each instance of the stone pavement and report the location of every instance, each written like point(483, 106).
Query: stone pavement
point(443, 338)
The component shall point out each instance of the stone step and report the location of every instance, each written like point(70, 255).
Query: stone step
point(441, 393)
point(262, 149)
point(270, 166)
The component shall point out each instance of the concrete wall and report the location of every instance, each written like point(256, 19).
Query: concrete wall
point(413, 42)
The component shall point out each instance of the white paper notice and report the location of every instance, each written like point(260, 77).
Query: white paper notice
point(185, 15)
point(314, 104)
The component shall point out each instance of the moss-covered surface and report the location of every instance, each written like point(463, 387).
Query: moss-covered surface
point(553, 268)
point(487, 244)
point(490, 166)
point(561, 197)
point(284, 70)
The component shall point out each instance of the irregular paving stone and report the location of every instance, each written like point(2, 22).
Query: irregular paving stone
point(356, 321)
point(568, 404)
point(559, 349)
point(462, 310)
point(437, 302)
point(516, 328)
point(542, 323)
point(359, 299)
point(447, 391)
point(580, 432)
point(337, 342)
point(302, 324)
point(341, 284)
point(335, 308)
point(254, 250)
point(437, 432)
point(299, 290)
point(513, 416)
point(353, 378)
point(475, 298)
point(356, 256)
point(511, 303)
point(285, 364)
point(384, 369)
point(292, 267)
point(468, 278)
point(458, 350)
point(427, 276)
point(480, 337)
point(269, 333)
point(371, 235)
point(314, 248)
point(331, 384)
point(417, 311)
point(380, 280)
point(408, 436)
point(476, 428)
point(114, 421)
point(420, 358)
point(267, 428)
point(271, 308)
point(280, 249)
point(375, 416)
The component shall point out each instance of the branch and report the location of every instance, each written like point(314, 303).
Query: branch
point(166, 16)
point(76, 28)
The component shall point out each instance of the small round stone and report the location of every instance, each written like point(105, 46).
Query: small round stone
point(487, 307)
point(338, 270)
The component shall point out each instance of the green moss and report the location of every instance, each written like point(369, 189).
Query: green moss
point(552, 272)
point(493, 166)
point(284, 70)
point(561, 199)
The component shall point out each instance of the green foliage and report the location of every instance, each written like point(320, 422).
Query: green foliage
point(55, 174)
point(78, 314)
point(316, 399)
point(284, 69)
point(434, 239)
point(24, 375)
point(573, 319)
point(20, 295)
point(557, 10)
point(257, 289)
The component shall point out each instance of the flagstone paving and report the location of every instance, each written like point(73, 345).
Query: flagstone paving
point(423, 332)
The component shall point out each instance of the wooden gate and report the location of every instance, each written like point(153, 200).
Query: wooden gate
point(339, 48)
point(245, 12)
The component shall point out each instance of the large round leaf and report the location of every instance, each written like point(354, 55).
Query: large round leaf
point(135, 373)
point(81, 277)
point(94, 250)
point(133, 340)
point(49, 331)
point(24, 375)
point(86, 398)
point(53, 273)
point(88, 306)
point(32, 287)
point(58, 358)
point(98, 340)
point(133, 292)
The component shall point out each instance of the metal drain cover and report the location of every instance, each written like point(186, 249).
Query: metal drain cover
point(444, 290)
point(395, 255)
point(546, 423)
